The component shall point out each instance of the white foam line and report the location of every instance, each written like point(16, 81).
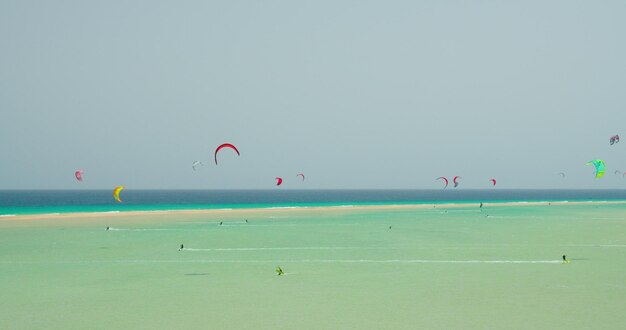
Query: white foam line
point(6, 215)
point(142, 229)
point(599, 245)
point(283, 248)
point(422, 261)
point(339, 261)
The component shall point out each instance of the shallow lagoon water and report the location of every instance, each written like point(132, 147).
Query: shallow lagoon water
point(441, 267)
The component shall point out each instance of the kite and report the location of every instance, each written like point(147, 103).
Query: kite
point(493, 182)
point(300, 174)
point(79, 175)
point(196, 163)
point(444, 179)
point(617, 172)
point(599, 165)
point(614, 139)
point(456, 184)
point(279, 181)
point(116, 193)
point(561, 174)
point(225, 145)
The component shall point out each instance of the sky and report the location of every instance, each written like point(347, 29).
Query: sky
point(354, 94)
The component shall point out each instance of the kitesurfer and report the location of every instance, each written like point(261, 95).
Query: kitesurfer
point(221, 223)
point(565, 261)
point(108, 228)
point(279, 271)
point(181, 247)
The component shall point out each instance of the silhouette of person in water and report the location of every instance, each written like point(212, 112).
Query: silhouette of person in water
point(108, 228)
point(565, 261)
point(246, 220)
point(481, 205)
point(279, 271)
point(221, 223)
point(181, 247)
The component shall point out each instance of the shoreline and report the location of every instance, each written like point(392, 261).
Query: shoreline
point(288, 209)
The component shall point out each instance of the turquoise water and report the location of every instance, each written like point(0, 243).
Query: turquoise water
point(435, 268)
point(69, 201)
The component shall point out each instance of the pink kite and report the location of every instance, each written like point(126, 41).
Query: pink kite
point(279, 181)
point(225, 145)
point(493, 182)
point(444, 179)
point(456, 183)
point(79, 175)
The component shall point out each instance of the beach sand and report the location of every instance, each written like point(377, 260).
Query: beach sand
point(449, 266)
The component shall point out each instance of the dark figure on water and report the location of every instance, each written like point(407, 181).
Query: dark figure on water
point(481, 205)
point(221, 223)
point(565, 261)
point(108, 228)
point(181, 247)
point(279, 271)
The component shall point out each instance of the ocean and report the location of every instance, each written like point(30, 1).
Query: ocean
point(16, 202)
point(453, 266)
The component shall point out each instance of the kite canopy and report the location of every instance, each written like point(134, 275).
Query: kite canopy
point(116, 193)
point(196, 163)
point(561, 174)
point(456, 181)
point(225, 145)
point(493, 182)
point(279, 181)
point(444, 180)
point(614, 139)
point(79, 175)
point(300, 174)
point(600, 167)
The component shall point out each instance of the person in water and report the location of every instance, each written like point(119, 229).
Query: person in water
point(221, 223)
point(108, 228)
point(279, 271)
point(565, 261)
point(181, 247)
point(481, 205)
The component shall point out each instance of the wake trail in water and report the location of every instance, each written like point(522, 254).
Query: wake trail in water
point(338, 261)
point(284, 248)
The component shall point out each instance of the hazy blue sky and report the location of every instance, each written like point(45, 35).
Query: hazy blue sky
point(355, 94)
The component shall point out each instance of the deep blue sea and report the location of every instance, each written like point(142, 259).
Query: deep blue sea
point(62, 201)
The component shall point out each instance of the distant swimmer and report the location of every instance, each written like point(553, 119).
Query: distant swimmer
point(221, 223)
point(108, 228)
point(565, 261)
point(181, 247)
point(279, 271)
point(246, 220)
point(481, 205)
